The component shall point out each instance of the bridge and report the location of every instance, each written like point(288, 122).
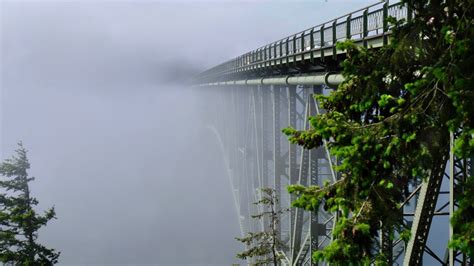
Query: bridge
point(253, 96)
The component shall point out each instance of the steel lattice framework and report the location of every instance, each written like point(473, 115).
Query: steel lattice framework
point(252, 97)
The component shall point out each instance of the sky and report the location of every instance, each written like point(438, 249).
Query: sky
point(116, 141)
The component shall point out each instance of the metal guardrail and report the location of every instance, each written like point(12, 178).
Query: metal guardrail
point(360, 25)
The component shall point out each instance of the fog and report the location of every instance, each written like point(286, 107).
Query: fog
point(95, 90)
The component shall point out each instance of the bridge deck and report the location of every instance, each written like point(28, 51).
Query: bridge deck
point(314, 49)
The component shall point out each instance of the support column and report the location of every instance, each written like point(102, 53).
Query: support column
point(451, 194)
point(316, 229)
point(266, 132)
point(424, 211)
point(297, 256)
point(292, 171)
point(257, 115)
point(277, 164)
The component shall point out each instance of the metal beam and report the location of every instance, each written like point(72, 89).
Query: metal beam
point(424, 212)
point(302, 179)
point(328, 79)
point(314, 156)
point(292, 170)
point(277, 164)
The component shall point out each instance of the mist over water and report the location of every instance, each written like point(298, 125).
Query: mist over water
point(116, 141)
point(130, 183)
point(129, 186)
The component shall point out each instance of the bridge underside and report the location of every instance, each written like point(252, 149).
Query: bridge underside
point(248, 121)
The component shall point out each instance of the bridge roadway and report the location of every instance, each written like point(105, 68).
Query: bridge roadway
point(312, 50)
point(253, 96)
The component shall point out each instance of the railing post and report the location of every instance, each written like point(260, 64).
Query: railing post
point(321, 31)
point(409, 13)
point(302, 42)
point(385, 23)
point(267, 63)
point(281, 52)
point(311, 45)
point(348, 27)
point(334, 39)
point(365, 27)
point(266, 54)
point(294, 50)
point(274, 52)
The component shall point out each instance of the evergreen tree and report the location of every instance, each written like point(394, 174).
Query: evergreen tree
point(264, 245)
point(389, 124)
point(19, 222)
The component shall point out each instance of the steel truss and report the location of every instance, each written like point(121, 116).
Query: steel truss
point(247, 121)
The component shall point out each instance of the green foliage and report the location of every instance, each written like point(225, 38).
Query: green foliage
point(388, 124)
point(463, 221)
point(263, 245)
point(19, 222)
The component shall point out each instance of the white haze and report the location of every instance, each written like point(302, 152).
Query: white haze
point(119, 150)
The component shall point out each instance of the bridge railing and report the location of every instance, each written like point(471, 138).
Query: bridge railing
point(363, 24)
